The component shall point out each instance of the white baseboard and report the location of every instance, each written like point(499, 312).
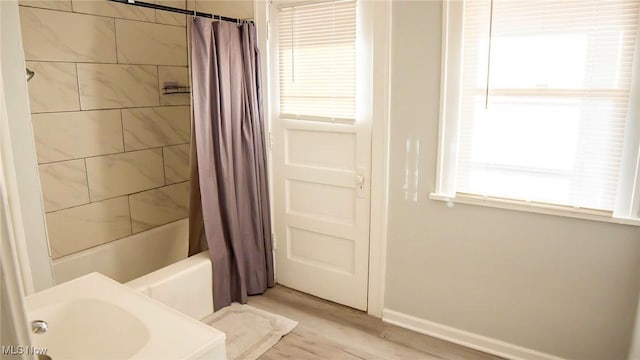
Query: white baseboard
point(464, 338)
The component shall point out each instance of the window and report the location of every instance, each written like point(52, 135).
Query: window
point(317, 57)
point(536, 102)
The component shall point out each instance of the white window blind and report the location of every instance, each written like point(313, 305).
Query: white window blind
point(317, 54)
point(545, 91)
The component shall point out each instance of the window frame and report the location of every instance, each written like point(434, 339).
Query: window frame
point(627, 203)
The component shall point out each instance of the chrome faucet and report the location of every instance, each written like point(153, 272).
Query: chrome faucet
point(39, 326)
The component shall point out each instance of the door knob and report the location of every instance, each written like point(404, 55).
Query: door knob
point(360, 186)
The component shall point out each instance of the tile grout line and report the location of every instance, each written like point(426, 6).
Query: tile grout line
point(86, 174)
point(78, 87)
point(130, 212)
point(119, 196)
point(159, 87)
point(164, 167)
point(155, 14)
point(115, 40)
point(106, 109)
point(114, 153)
point(104, 63)
point(124, 147)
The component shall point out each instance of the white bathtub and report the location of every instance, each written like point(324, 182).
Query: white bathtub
point(130, 257)
point(185, 286)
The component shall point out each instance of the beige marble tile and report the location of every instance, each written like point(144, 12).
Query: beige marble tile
point(173, 74)
point(169, 18)
point(176, 163)
point(153, 127)
point(126, 173)
point(62, 36)
point(64, 184)
point(64, 5)
point(146, 43)
point(113, 9)
point(79, 134)
point(54, 87)
point(104, 86)
point(159, 206)
point(241, 9)
point(82, 227)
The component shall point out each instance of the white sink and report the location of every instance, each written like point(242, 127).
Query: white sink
point(84, 325)
point(94, 317)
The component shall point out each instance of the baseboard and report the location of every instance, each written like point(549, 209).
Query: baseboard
point(464, 338)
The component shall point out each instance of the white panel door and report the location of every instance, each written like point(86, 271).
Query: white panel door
point(321, 202)
point(321, 147)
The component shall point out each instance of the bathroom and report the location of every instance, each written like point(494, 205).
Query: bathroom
point(102, 175)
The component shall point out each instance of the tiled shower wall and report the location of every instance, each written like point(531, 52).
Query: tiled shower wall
point(112, 150)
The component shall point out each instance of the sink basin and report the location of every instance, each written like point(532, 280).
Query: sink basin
point(94, 317)
point(92, 324)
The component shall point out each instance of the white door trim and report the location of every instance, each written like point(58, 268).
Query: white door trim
point(379, 155)
point(261, 21)
point(381, 18)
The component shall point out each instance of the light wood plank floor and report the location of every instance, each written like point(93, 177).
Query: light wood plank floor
point(330, 331)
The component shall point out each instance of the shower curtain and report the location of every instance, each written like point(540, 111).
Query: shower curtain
point(229, 212)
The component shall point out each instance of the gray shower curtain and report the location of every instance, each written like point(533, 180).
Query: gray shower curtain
point(229, 192)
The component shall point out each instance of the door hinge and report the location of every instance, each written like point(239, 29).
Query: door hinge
point(273, 241)
point(270, 140)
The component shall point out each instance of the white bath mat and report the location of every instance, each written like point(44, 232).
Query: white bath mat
point(250, 331)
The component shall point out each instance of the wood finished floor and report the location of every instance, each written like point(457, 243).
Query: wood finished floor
point(330, 331)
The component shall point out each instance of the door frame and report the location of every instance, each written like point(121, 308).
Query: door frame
point(379, 13)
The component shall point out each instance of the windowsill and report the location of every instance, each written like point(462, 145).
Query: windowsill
point(538, 208)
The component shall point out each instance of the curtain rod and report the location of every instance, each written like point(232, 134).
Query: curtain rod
point(178, 10)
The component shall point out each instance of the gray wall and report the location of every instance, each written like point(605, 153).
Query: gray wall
point(564, 286)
